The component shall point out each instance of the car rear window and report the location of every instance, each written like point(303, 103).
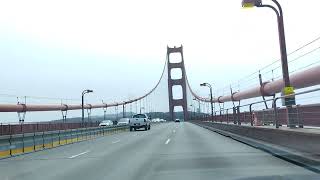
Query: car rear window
point(139, 116)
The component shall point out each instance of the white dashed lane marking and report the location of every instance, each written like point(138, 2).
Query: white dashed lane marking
point(113, 142)
point(74, 156)
point(167, 142)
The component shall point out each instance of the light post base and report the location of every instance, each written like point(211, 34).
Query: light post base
point(292, 115)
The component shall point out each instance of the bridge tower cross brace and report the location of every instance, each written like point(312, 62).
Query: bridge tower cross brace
point(177, 82)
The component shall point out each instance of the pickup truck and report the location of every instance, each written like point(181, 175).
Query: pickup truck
point(139, 121)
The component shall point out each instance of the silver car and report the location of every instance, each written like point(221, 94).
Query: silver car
point(140, 121)
point(106, 123)
point(123, 121)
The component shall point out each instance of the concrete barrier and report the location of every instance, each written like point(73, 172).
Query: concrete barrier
point(11, 145)
point(298, 140)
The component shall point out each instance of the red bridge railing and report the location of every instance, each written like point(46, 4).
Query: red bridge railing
point(10, 129)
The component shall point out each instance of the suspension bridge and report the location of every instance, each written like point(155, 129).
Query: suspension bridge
point(261, 126)
point(253, 115)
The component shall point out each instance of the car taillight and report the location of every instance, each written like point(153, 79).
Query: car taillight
point(145, 120)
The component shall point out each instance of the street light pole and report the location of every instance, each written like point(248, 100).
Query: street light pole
point(82, 103)
point(195, 109)
point(211, 102)
point(104, 110)
point(82, 109)
point(194, 112)
point(116, 110)
point(191, 112)
point(211, 98)
point(288, 89)
point(199, 108)
point(123, 109)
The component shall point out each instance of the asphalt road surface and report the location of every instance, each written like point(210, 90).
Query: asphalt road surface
point(179, 151)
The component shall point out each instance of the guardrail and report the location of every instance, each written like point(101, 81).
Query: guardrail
point(302, 115)
point(11, 145)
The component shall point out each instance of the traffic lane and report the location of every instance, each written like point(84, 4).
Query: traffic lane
point(74, 148)
point(40, 166)
point(197, 153)
point(190, 154)
point(128, 161)
point(137, 159)
point(186, 151)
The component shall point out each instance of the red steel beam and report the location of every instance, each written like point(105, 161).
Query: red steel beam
point(62, 107)
point(306, 78)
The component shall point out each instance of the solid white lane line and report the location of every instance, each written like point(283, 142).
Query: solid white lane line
point(167, 142)
point(71, 157)
point(113, 142)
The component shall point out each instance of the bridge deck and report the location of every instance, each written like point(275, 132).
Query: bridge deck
point(167, 151)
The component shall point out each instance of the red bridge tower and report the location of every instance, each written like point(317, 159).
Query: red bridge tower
point(177, 82)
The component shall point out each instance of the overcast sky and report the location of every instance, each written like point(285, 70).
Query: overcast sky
point(118, 48)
